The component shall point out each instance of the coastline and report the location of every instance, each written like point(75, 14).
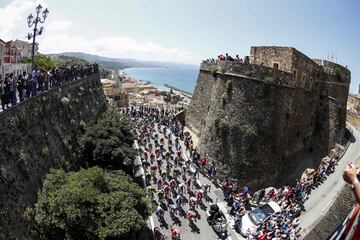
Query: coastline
point(181, 79)
point(186, 93)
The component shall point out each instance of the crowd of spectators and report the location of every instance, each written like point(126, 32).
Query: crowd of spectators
point(227, 57)
point(17, 88)
point(283, 225)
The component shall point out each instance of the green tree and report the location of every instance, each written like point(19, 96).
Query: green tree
point(175, 99)
point(108, 142)
point(90, 204)
point(42, 62)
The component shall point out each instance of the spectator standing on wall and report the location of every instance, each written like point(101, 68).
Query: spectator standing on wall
point(29, 85)
point(20, 86)
point(34, 82)
point(7, 90)
point(41, 78)
point(2, 94)
point(12, 89)
point(351, 175)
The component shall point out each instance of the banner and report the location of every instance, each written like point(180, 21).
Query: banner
point(350, 228)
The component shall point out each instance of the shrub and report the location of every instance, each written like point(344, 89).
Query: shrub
point(223, 99)
point(65, 101)
point(44, 151)
point(108, 142)
point(229, 88)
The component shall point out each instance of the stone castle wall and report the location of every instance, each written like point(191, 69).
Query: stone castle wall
point(35, 136)
point(254, 119)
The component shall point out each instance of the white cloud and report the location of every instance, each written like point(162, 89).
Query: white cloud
point(57, 38)
point(13, 17)
point(114, 46)
point(58, 25)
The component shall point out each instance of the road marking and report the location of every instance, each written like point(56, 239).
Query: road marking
point(152, 223)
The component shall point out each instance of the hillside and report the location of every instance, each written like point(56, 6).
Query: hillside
point(61, 60)
point(120, 63)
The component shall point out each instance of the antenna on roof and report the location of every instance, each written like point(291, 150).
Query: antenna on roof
point(336, 57)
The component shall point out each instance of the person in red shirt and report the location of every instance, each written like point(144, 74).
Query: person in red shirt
point(158, 234)
point(191, 216)
point(146, 155)
point(203, 163)
point(174, 232)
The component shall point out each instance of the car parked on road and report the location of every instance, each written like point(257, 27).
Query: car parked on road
point(253, 219)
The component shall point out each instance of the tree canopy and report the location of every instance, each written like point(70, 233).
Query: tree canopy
point(42, 62)
point(90, 204)
point(108, 142)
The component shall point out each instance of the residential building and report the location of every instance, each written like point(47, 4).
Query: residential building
point(114, 95)
point(14, 53)
point(25, 48)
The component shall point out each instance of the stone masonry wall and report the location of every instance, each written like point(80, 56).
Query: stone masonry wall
point(35, 136)
point(266, 56)
point(255, 120)
point(243, 131)
point(336, 214)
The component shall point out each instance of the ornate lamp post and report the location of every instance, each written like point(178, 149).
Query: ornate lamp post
point(34, 21)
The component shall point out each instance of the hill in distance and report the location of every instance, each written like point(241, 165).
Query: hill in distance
point(121, 63)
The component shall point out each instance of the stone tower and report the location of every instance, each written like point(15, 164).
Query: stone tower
point(256, 119)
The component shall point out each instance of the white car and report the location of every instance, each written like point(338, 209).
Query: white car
point(253, 219)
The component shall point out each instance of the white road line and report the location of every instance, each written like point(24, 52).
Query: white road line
point(152, 223)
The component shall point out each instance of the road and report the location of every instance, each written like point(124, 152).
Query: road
point(203, 230)
point(319, 201)
point(322, 197)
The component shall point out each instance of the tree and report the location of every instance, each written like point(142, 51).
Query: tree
point(108, 142)
point(175, 99)
point(42, 62)
point(90, 204)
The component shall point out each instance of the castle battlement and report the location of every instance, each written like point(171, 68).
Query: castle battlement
point(288, 67)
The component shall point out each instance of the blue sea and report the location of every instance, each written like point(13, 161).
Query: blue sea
point(182, 78)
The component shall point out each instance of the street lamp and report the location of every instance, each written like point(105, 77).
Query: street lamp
point(34, 21)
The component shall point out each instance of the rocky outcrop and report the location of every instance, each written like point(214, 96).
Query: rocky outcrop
point(35, 136)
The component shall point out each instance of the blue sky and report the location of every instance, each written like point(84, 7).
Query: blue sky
point(189, 30)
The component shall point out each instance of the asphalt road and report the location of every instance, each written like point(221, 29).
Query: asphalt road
point(323, 196)
point(318, 203)
point(202, 229)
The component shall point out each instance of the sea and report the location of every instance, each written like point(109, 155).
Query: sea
point(182, 78)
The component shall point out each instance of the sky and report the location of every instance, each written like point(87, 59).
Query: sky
point(190, 30)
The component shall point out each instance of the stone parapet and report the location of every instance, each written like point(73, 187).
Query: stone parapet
point(252, 71)
point(36, 135)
